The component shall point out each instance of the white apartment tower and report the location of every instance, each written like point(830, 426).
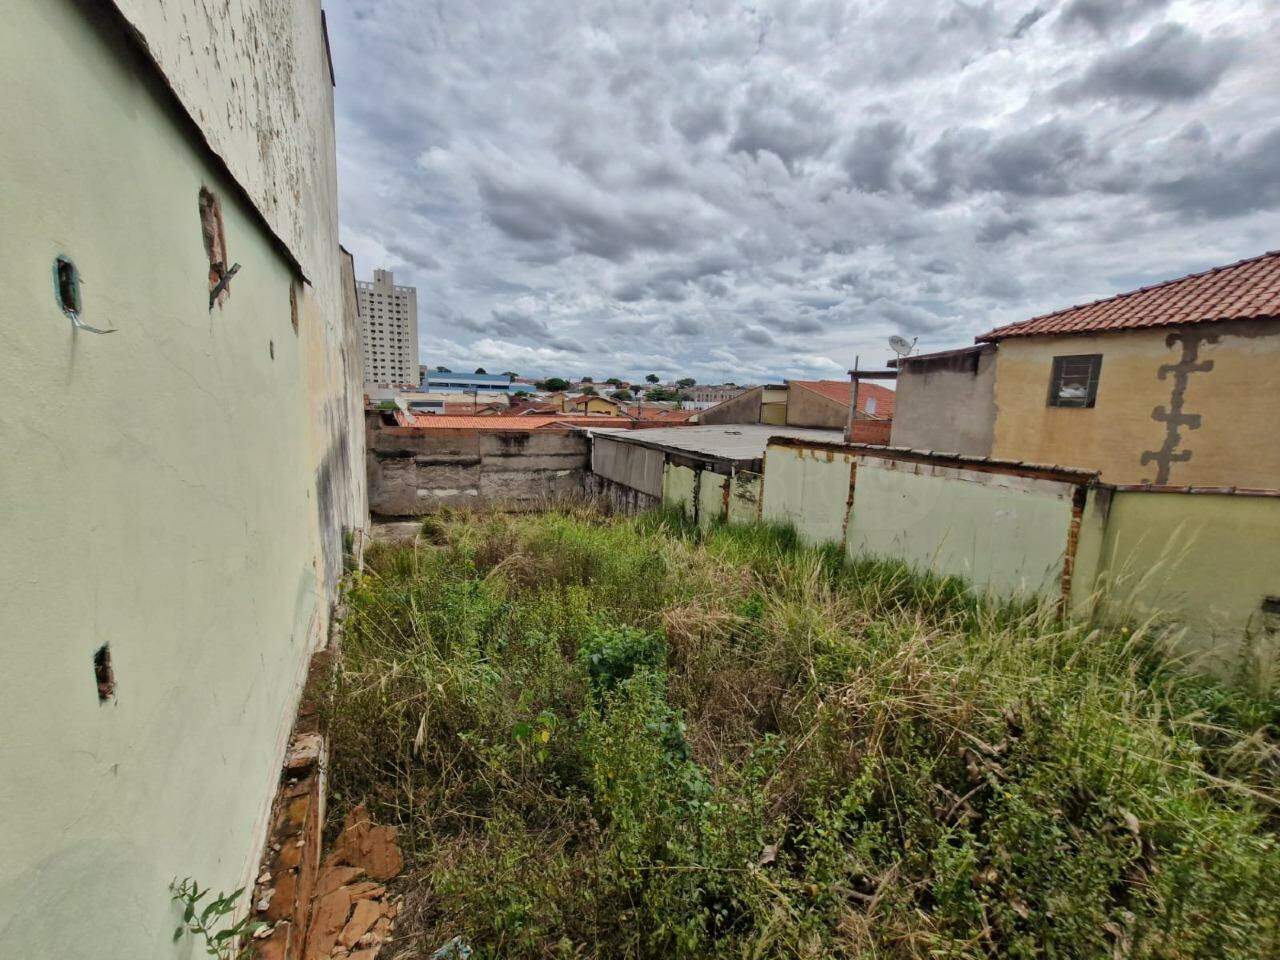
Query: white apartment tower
point(388, 330)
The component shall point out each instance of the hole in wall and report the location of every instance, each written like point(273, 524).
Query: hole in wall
point(215, 242)
point(104, 674)
point(293, 305)
point(66, 279)
point(271, 348)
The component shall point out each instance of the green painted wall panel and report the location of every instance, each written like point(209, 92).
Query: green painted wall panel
point(744, 497)
point(808, 489)
point(1205, 562)
point(679, 488)
point(1001, 533)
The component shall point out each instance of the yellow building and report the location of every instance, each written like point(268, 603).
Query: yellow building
point(1174, 385)
point(590, 404)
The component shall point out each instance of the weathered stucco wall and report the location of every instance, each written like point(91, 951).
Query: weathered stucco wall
point(629, 464)
point(255, 76)
point(413, 472)
point(1219, 381)
point(806, 408)
point(680, 489)
point(744, 497)
point(744, 408)
point(808, 488)
point(1205, 563)
point(180, 504)
point(947, 404)
point(713, 498)
point(1002, 533)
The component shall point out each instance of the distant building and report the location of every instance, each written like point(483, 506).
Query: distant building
point(389, 330)
point(469, 383)
point(820, 404)
point(706, 396)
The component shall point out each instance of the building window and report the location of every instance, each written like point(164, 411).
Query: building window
point(1074, 382)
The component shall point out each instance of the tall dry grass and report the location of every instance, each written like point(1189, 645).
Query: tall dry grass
point(611, 737)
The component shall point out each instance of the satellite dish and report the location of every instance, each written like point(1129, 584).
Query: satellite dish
point(900, 345)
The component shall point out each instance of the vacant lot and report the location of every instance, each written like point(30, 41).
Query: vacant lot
point(621, 738)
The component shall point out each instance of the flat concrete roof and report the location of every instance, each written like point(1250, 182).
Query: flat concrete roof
point(723, 441)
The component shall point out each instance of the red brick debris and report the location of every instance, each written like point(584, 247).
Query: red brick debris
point(348, 914)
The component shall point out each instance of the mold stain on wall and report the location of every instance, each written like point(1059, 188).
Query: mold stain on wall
point(1175, 417)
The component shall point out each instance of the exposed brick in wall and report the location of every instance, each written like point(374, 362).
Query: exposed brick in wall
point(871, 431)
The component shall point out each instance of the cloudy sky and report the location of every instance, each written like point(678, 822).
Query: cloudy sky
point(748, 191)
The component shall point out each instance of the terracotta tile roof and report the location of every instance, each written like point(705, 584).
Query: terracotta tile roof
point(841, 391)
point(650, 413)
point(437, 421)
point(1249, 289)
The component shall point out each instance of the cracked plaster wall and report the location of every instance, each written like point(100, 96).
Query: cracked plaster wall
point(176, 489)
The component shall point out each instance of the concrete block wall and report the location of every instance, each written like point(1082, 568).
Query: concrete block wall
point(413, 471)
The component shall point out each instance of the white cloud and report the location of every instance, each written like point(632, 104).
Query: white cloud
point(750, 193)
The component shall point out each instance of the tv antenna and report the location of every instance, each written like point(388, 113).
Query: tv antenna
point(900, 345)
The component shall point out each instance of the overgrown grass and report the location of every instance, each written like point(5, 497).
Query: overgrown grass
point(629, 738)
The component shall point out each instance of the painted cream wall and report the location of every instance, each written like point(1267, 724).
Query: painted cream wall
point(1238, 401)
point(744, 497)
point(255, 76)
point(1205, 563)
point(808, 489)
point(166, 501)
point(712, 506)
point(1001, 533)
point(680, 488)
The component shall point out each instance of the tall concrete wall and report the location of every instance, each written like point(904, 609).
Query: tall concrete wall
point(744, 408)
point(629, 464)
point(1224, 377)
point(807, 408)
point(809, 489)
point(413, 471)
point(947, 404)
point(177, 490)
point(1206, 564)
point(1002, 533)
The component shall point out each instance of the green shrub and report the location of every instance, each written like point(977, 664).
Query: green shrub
point(613, 654)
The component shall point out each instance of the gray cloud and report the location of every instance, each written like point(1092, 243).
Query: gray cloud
point(1102, 16)
point(1242, 178)
point(759, 336)
point(1000, 227)
point(1043, 160)
point(874, 154)
point(791, 126)
point(1170, 63)
point(696, 122)
point(754, 192)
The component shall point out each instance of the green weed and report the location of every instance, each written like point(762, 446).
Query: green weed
point(608, 737)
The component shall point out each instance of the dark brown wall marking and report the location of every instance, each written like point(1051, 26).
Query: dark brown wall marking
point(1174, 418)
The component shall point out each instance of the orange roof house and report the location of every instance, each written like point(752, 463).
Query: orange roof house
point(1246, 290)
point(1172, 384)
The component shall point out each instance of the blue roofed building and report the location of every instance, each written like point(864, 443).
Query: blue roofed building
point(436, 382)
